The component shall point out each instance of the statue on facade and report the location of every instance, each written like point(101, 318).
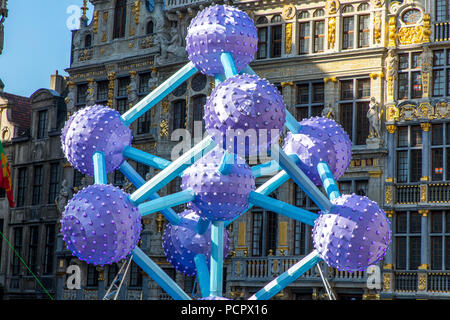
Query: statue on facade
point(63, 197)
point(2, 35)
point(173, 47)
point(426, 60)
point(374, 115)
point(153, 81)
point(329, 112)
point(90, 98)
point(132, 91)
point(71, 96)
point(391, 63)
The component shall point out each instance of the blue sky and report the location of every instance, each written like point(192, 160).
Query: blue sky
point(37, 43)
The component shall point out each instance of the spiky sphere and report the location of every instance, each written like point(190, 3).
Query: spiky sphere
point(325, 128)
point(244, 114)
point(181, 243)
point(353, 235)
point(92, 129)
point(218, 29)
point(311, 150)
point(218, 196)
point(100, 225)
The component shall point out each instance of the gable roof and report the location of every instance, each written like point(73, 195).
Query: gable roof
point(19, 109)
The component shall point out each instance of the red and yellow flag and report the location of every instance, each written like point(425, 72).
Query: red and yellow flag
point(5, 177)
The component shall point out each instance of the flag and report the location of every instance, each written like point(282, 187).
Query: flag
point(5, 177)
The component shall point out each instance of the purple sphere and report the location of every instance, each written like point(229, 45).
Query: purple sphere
point(218, 196)
point(320, 139)
point(244, 114)
point(100, 225)
point(325, 128)
point(354, 235)
point(92, 129)
point(181, 243)
point(218, 29)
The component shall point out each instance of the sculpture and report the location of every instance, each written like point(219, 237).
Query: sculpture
point(374, 117)
point(63, 196)
point(391, 63)
point(329, 112)
point(426, 59)
point(101, 224)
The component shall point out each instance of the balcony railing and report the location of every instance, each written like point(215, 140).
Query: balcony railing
point(268, 268)
point(438, 282)
point(406, 281)
point(407, 194)
point(442, 31)
point(439, 193)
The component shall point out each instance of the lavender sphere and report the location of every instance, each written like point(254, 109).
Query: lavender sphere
point(320, 139)
point(181, 244)
point(325, 128)
point(218, 29)
point(100, 225)
point(218, 196)
point(92, 129)
point(244, 114)
point(354, 235)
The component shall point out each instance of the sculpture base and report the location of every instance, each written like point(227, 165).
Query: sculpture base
point(374, 143)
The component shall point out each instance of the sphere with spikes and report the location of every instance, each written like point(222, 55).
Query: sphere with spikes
point(245, 114)
point(219, 29)
point(320, 139)
point(353, 235)
point(100, 225)
point(92, 129)
point(181, 243)
point(219, 196)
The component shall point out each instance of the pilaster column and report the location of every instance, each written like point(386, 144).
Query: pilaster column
point(424, 256)
point(111, 87)
point(101, 282)
point(391, 129)
point(425, 162)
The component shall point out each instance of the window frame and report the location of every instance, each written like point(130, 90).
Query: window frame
point(407, 235)
point(268, 25)
point(409, 148)
point(312, 104)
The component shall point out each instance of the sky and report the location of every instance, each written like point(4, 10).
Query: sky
point(37, 42)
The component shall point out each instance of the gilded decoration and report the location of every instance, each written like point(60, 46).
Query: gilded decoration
point(442, 110)
point(288, 45)
point(331, 6)
point(425, 84)
point(422, 285)
point(111, 85)
point(425, 126)
point(387, 281)
point(165, 106)
point(408, 112)
point(392, 113)
point(388, 195)
point(410, 35)
point(164, 129)
point(426, 27)
point(95, 28)
point(377, 27)
point(423, 193)
point(331, 32)
point(288, 12)
point(136, 9)
point(392, 31)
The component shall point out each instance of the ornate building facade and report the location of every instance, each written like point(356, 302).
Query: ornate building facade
point(380, 68)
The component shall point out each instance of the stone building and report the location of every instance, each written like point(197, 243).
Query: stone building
point(36, 159)
point(380, 68)
point(3, 15)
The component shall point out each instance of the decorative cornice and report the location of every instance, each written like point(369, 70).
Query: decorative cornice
point(391, 128)
point(425, 126)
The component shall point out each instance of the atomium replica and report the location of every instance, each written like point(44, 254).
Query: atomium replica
point(102, 224)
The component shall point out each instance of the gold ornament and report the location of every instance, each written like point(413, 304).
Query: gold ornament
point(331, 32)
point(288, 45)
point(410, 35)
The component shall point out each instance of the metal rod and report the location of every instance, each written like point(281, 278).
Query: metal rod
point(328, 181)
point(159, 93)
point(226, 163)
point(171, 171)
point(145, 158)
point(228, 64)
point(301, 179)
point(202, 274)
point(291, 123)
point(265, 169)
point(287, 277)
point(99, 168)
point(134, 177)
point(282, 208)
point(217, 230)
point(202, 226)
point(158, 275)
point(168, 201)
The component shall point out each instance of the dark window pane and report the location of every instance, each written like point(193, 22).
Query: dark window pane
point(362, 123)
point(436, 253)
point(447, 221)
point(316, 111)
point(401, 218)
point(302, 113)
point(347, 90)
point(179, 114)
point(33, 248)
point(403, 85)
point(303, 94)
point(402, 137)
point(122, 105)
point(403, 61)
point(54, 182)
point(102, 91)
point(271, 232)
point(414, 253)
point(448, 163)
point(364, 29)
point(415, 222)
point(37, 185)
point(276, 41)
point(22, 187)
point(262, 43)
point(363, 88)
point(345, 187)
point(199, 82)
point(319, 36)
point(401, 253)
point(257, 232)
point(362, 187)
point(42, 124)
point(305, 35)
point(49, 248)
point(437, 134)
point(438, 58)
point(447, 253)
point(416, 91)
point(438, 83)
point(120, 17)
point(436, 222)
point(416, 136)
point(402, 166)
point(317, 92)
point(122, 89)
point(180, 90)
point(143, 82)
point(82, 93)
point(437, 159)
point(92, 276)
point(416, 165)
point(415, 60)
point(348, 31)
point(346, 115)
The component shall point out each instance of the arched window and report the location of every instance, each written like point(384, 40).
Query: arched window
point(88, 41)
point(363, 7)
point(348, 9)
point(318, 13)
point(269, 37)
point(198, 103)
point(179, 114)
point(150, 27)
point(303, 15)
point(262, 20)
point(120, 19)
